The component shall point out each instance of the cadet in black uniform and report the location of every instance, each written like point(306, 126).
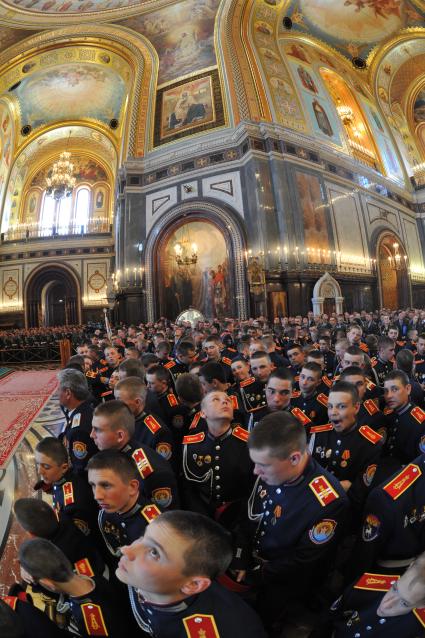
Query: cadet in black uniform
point(185, 355)
point(369, 413)
point(365, 610)
point(296, 515)
point(217, 471)
point(384, 362)
point(213, 349)
point(72, 497)
point(150, 430)
point(406, 422)
point(20, 619)
point(278, 396)
point(393, 531)
point(312, 403)
point(75, 398)
point(213, 378)
point(249, 391)
point(124, 512)
point(92, 601)
point(296, 356)
point(160, 398)
point(349, 452)
point(172, 586)
point(328, 354)
point(113, 429)
point(37, 518)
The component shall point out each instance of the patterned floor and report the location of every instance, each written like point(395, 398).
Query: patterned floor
point(17, 481)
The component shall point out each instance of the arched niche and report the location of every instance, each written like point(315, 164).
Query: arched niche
point(327, 296)
point(42, 288)
point(219, 234)
point(393, 273)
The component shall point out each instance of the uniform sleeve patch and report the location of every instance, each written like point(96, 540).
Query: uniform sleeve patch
point(371, 527)
point(165, 450)
point(201, 626)
point(79, 449)
point(323, 531)
point(369, 474)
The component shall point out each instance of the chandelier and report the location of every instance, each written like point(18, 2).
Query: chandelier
point(186, 252)
point(345, 113)
point(397, 261)
point(61, 181)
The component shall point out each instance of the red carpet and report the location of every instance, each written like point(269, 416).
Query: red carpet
point(22, 395)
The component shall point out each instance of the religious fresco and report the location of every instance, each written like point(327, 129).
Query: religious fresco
point(419, 107)
point(6, 146)
point(313, 210)
point(187, 106)
point(85, 170)
point(57, 93)
point(183, 36)
point(204, 285)
point(70, 6)
point(353, 27)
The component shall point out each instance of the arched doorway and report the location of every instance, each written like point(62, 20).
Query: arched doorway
point(214, 283)
point(327, 296)
point(393, 272)
point(52, 297)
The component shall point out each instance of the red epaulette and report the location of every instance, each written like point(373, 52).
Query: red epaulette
point(402, 481)
point(323, 490)
point(363, 347)
point(240, 433)
point(68, 493)
point(193, 438)
point(170, 364)
point(401, 343)
point(370, 407)
point(387, 411)
point(93, 620)
point(83, 567)
point(201, 626)
point(172, 400)
point(152, 424)
point(300, 416)
point(321, 428)
point(143, 465)
point(376, 582)
point(369, 434)
point(150, 512)
point(327, 381)
point(418, 414)
point(195, 421)
point(226, 360)
point(370, 385)
point(106, 394)
point(91, 374)
point(420, 615)
point(323, 399)
point(295, 394)
point(231, 349)
point(10, 600)
point(103, 369)
point(243, 384)
point(234, 400)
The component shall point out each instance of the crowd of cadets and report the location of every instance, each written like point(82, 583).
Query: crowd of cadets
point(210, 483)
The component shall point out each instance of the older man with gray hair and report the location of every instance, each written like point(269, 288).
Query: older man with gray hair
point(75, 400)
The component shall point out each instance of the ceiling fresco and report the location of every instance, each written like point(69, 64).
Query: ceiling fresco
point(353, 27)
point(70, 6)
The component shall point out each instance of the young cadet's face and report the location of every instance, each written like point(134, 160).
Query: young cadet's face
point(240, 370)
point(111, 492)
point(360, 382)
point(342, 411)
point(261, 369)
point(48, 469)
point(308, 381)
point(102, 434)
point(278, 393)
point(155, 562)
point(217, 405)
point(396, 394)
point(404, 595)
point(212, 350)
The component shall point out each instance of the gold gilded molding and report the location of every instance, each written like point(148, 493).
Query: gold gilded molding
point(378, 53)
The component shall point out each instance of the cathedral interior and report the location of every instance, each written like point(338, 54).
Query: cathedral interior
point(277, 127)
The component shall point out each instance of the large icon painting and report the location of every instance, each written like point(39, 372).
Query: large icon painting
point(205, 284)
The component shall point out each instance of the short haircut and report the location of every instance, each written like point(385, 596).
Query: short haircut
point(355, 351)
point(294, 346)
point(184, 347)
point(11, 625)
point(213, 371)
point(326, 338)
point(132, 368)
point(117, 462)
point(210, 550)
point(393, 327)
point(316, 354)
point(348, 388)
point(76, 359)
point(260, 354)
point(76, 382)
point(268, 341)
point(132, 349)
point(149, 359)
point(163, 346)
point(188, 388)
point(53, 448)
point(351, 371)
point(313, 367)
point(342, 342)
point(422, 336)
point(240, 359)
point(161, 373)
point(354, 326)
point(41, 559)
point(398, 375)
point(385, 342)
point(134, 386)
point(284, 374)
point(118, 415)
point(213, 338)
point(280, 433)
point(405, 360)
point(36, 516)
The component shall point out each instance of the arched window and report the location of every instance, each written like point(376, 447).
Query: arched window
point(82, 210)
point(47, 216)
point(64, 217)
